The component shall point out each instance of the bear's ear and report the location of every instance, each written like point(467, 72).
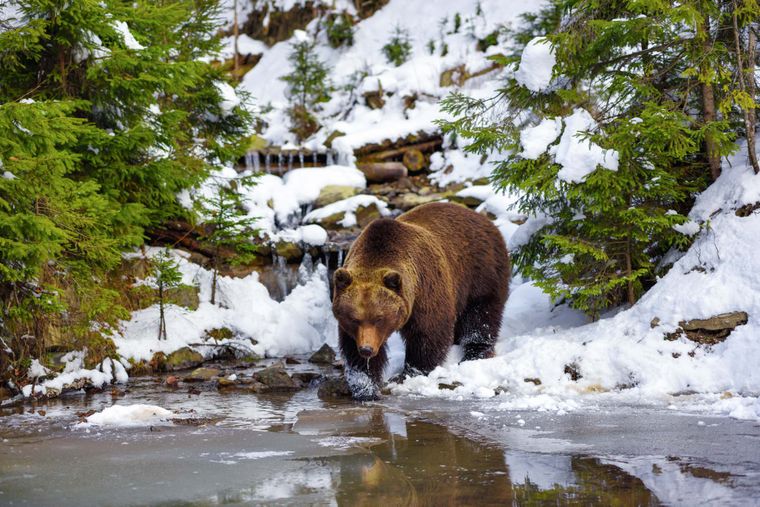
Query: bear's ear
point(342, 278)
point(392, 280)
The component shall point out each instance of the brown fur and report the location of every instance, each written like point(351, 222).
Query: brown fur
point(439, 274)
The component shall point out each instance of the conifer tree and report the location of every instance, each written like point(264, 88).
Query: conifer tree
point(227, 227)
point(166, 275)
point(642, 71)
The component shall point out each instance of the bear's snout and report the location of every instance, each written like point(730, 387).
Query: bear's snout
point(368, 341)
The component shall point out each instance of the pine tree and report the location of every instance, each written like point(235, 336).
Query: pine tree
point(399, 48)
point(107, 111)
point(227, 227)
point(308, 86)
point(166, 275)
point(642, 71)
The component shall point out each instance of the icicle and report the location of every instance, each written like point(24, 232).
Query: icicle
point(306, 269)
point(330, 160)
point(268, 163)
point(300, 158)
point(314, 158)
point(340, 257)
point(290, 161)
point(279, 163)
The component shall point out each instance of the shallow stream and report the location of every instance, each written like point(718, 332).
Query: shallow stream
point(295, 449)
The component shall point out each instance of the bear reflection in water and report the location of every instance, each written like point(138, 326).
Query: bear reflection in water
point(419, 463)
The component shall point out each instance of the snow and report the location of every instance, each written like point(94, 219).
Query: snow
point(36, 370)
point(313, 235)
point(623, 358)
point(536, 65)
point(129, 39)
point(579, 157)
point(535, 140)
point(299, 324)
point(349, 207)
point(128, 416)
point(230, 100)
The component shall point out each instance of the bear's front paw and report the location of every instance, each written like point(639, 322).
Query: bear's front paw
point(362, 386)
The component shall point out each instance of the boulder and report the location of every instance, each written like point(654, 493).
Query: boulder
point(711, 330)
point(408, 201)
point(202, 375)
point(366, 214)
point(275, 378)
point(334, 193)
point(325, 355)
point(291, 251)
point(182, 359)
point(374, 99)
point(333, 388)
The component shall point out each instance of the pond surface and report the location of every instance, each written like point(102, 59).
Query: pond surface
point(295, 449)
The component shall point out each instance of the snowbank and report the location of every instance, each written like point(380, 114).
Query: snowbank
point(625, 357)
point(299, 324)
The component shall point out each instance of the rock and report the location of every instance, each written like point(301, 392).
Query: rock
point(333, 387)
point(275, 378)
point(374, 99)
point(305, 377)
point(171, 381)
point(535, 381)
point(709, 331)
point(414, 160)
point(219, 333)
point(449, 387)
point(654, 322)
point(184, 295)
point(292, 360)
point(454, 76)
point(574, 371)
point(470, 200)
point(334, 193)
point(183, 359)
point(408, 201)
point(202, 375)
point(291, 251)
point(158, 362)
point(716, 323)
point(325, 355)
point(382, 171)
point(366, 214)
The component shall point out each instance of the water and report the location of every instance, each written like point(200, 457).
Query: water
point(294, 449)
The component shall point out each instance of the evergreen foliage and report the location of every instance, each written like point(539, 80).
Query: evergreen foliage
point(166, 275)
point(227, 227)
point(399, 48)
point(340, 30)
point(643, 70)
point(107, 111)
point(308, 87)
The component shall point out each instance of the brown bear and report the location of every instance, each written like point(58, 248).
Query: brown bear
point(439, 274)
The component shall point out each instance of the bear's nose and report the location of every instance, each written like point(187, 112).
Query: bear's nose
point(366, 352)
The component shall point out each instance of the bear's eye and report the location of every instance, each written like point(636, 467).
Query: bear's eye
point(392, 280)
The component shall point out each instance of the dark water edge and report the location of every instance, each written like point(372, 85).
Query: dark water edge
point(294, 449)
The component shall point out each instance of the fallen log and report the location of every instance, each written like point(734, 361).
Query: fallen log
point(380, 172)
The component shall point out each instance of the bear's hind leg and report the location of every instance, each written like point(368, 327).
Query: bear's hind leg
point(364, 376)
point(478, 328)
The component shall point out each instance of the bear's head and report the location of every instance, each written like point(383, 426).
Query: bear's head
point(370, 305)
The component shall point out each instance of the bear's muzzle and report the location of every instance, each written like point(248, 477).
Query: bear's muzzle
point(368, 341)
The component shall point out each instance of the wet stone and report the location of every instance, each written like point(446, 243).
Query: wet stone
point(325, 355)
point(276, 378)
point(183, 359)
point(449, 387)
point(333, 387)
point(203, 375)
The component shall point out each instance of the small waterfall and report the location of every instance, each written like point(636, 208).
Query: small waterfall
point(330, 159)
point(306, 269)
point(279, 162)
point(300, 158)
point(268, 163)
point(252, 162)
point(314, 158)
point(290, 161)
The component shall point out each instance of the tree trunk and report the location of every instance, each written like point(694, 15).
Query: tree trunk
point(236, 35)
point(213, 278)
point(748, 123)
point(708, 106)
point(161, 317)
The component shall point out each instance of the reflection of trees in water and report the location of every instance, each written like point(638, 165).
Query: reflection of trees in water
point(596, 484)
